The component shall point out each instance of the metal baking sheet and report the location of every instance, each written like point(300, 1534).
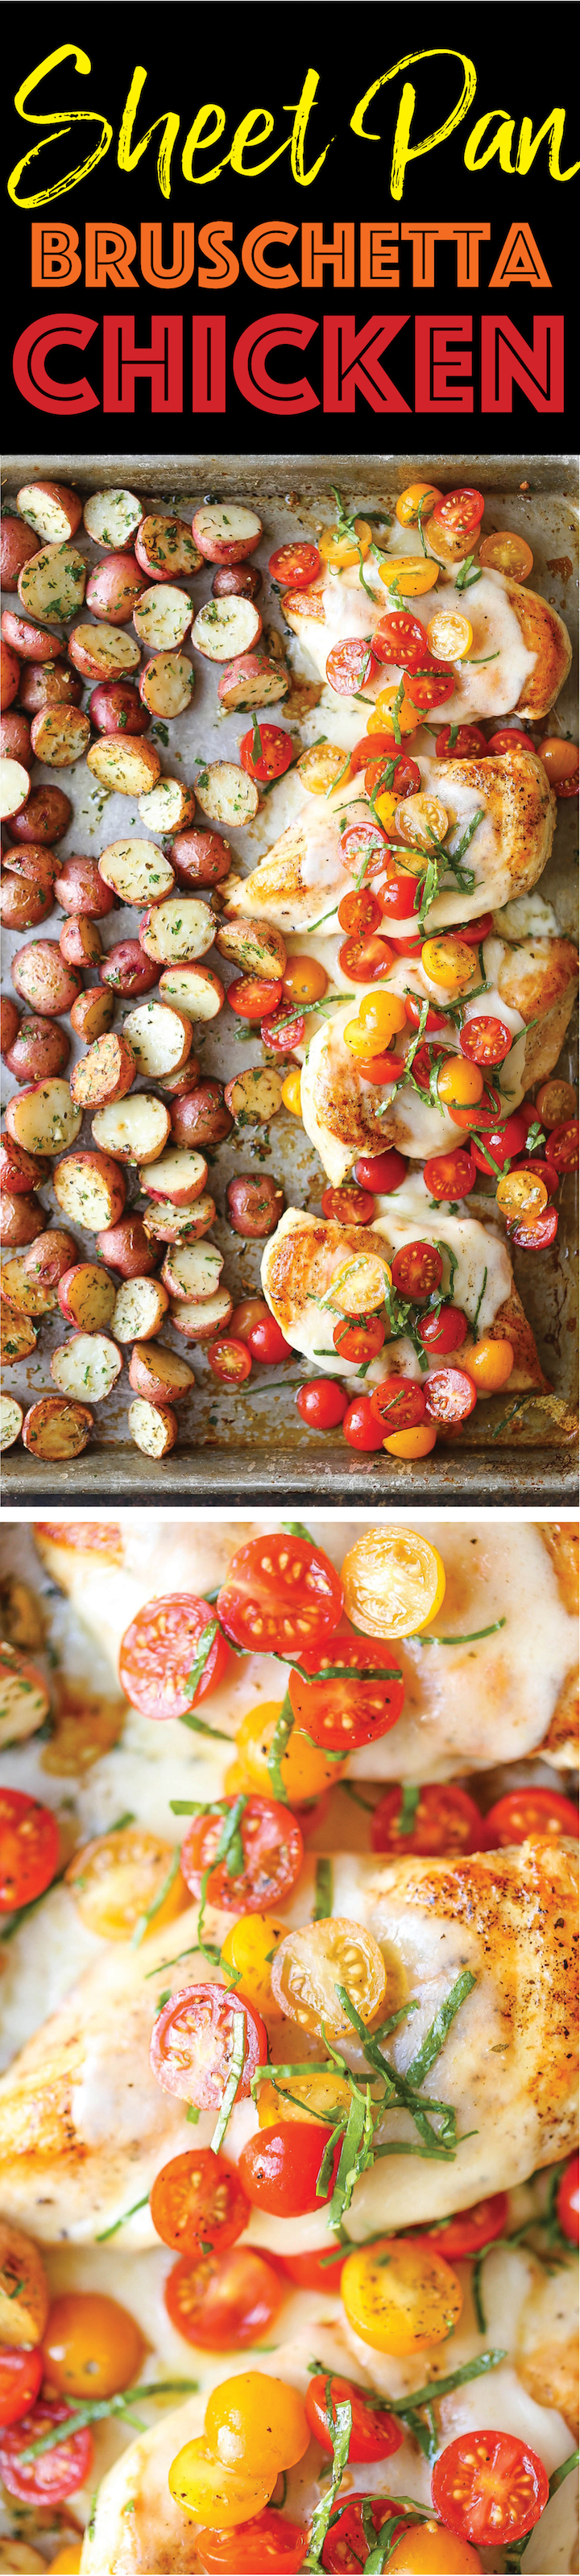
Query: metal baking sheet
point(250, 1446)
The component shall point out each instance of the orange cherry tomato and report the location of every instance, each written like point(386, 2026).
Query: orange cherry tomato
point(197, 2199)
point(415, 1443)
point(220, 2301)
point(417, 498)
point(91, 2346)
point(556, 1103)
point(434, 1820)
point(304, 980)
point(268, 2546)
point(560, 758)
point(504, 552)
point(489, 1362)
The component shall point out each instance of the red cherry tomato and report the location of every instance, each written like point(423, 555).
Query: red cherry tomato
point(346, 2547)
point(280, 1592)
point(273, 1851)
point(266, 1342)
point(375, 2433)
point(360, 1426)
point(220, 2301)
point(458, 513)
point(472, 932)
point(349, 664)
point(319, 2270)
point(384, 744)
point(55, 2474)
point(341, 1715)
point(506, 739)
point(403, 640)
point(429, 687)
point(295, 566)
point(381, 1068)
point(535, 1233)
point(444, 1820)
point(443, 1332)
point(349, 1205)
point(567, 2201)
point(398, 900)
point(365, 960)
point(284, 1034)
point(531, 1811)
point(449, 1396)
point(21, 2372)
point(489, 2488)
point(192, 2041)
point(414, 1005)
point(252, 995)
point(279, 2168)
point(359, 1342)
point(564, 1145)
point(321, 1403)
point(485, 1041)
point(158, 1653)
point(450, 1176)
point(198, 2200)
point(500, 1142)
point(28, 1848)
point(398, 1403)
point(381, 1172)
point(229, 1360)
point(360, 912)
point(471, 2228)
point(266, 752)
point(364, 841)
point(269, 2543)
point(417, 1268)
point(481, 1114)
point(470, 744)
point(546, 1171)
point(406, 778)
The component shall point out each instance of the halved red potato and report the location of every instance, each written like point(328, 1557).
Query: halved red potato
point(55, 1428)
point(23, 906)
point(19, 1169)
point(244, 579)
point(164, 549)
point(115, 707)
point(126, 1247)
point(44, 1117)
point(193, 1270)
point(114, 588)
point(199, 1116)
point(15, 738)
point(193, 988)
point(226, 794)
point(103, 652)
point(253, 946)
point(45, 816)
point(163, 617)
point(39, 1049)
point(9, 1025)
point(31, 643)
point(168, 807)
point(18, 1337)
point(224, 628)
point(21, 1289)
point(9, 676)
point(20, 1218)
point(45, 1263)
point(180, 927)
point(134, 1132)
point(127, 969)
point(159, 1374)
point(138, 871)
point(17, 544)
point(90, 1189)
point(170, 1224)
point(86, 1296)
point(80, 942)
point(199, 1320)
point(255, 1093)
point(12, 1417)
point(180, 1176)
point(52, 585)
point(60, 736)
point(49, 684)
point(34, 861)
point(80, 888)
point(167, 684)
point(90, 1363)
point(127, 766)
point(111, 518)
point(176, 1083)
point(160, 1038)
point(252, 681)
point(153, 1427)
point(53, 510)
point(225, 532)
point(106, 1073)
point(14, 787)
point(201, 858)
point(92, 1013)
point(140, 1306)
point(43, 978)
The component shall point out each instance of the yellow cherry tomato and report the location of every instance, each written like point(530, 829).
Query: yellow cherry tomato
point(460, 1084)
point(311, 1963)
point(421, 820)
point(213, 2494)
point(238, 1780)
point(303, 2097)
point(359, 1289)
point(400, 2295)
point(383, 713)
point(304, 980)
point(291, 1093)
point(518, 1192)
point(91, 2346)
point(449, 635)
point(504, 552)
point(413, 574)
point(247, 1948)
point(429, 2549)
point(488, 1362)
point(560, 758)
point(256, 2423)
point(409, 501)
point(117, 1879)
point(385, 808)
point(305, 1768)
point(385, 1015)
point(68, 2561)
point(555, 1102)
point(414, 1443)
point(450, 962)
point(320, 767)
point(341, 550)
point(394, 1582)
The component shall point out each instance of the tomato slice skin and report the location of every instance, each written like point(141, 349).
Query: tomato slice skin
point(280, 1592)
point(417, 1268)
point(381, 1172)
point(344, 1714)
point(375, 2434)
point(55, 2474)
point(273, 1854)
point(295, 566)
point(465, 2233)
point(486, 1041)
point(279, 2168)
point(345, 2548)
point(321, 1403)
point(446, 1819)
point(443, 1332)
point(567, 2202)
point(270, 2543)
point(450, 1176)
point(159, 1649)
point(21, 2371)
point(219, 2301)
point(360, 1426)
point(450, 1396)
point(531, 1811)
point(198, 2197)
point(489, 2488)
point(29, 1842)
point(192, 2040)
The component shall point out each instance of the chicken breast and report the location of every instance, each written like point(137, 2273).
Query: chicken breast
point(518, 661)
point(304, 1255)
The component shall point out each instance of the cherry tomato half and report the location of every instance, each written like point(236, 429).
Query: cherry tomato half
point(255, 2548)
point(28, 1848)
point(192, 2042)
point(564, 1145)
point(349, 664)
point(444, 1820)
point(279, 2168)
point(346, 2547)
point(295, 566)
point(359, 1342)
point(252, 995)
point(444, 1331)
point(280, 1592)
point(273, 1852)
point(21, 2371)
point(458, 513)
point(321, 1403)
point(266, 751)
point(401, 639)
point(398, 901)
point(365, 960)
point(220, 2301)
point(196, 2200)
point(507, 738)
point(319, 2270)
point(375, 2433)
point(485, 1041)
point(229, 1360)
point(450, 1176)
point(465, 2233)
point(417, 1268)
point(359, 912)
point(266, 1342)
point(507, 553)
point(381, 1172)
point(349, 1205)
point(414, 1005)
point(470, 744)
point(55, 2474)
point(284, 1034)
point(398, 1403)
point(429, 687)
point(342, 1714)
point(531, 1811)
point(500, 1143)
point(158, 1653)
point(449, 1396)
point(535, 1233)
point(360, 1426)
point(490, 2488)
point(560, 758)
point(366, 841)
point(567, 2201)
point(472, 932)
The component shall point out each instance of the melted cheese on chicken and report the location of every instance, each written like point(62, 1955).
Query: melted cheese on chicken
point(499, 674)
point(305, 1254)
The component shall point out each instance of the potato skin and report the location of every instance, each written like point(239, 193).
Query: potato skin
point(34, 861)
point(57, 1427)
point(126, 1247)
point(80, 889)
point(43, 978)
point(17, 544)
point(242, 581)
point(127, 969)
point(23, 906)
point(45, 816)
point(39, 1049)
point(9, 1024)
point(114, 588)
point(21, 1218)
point(254, 1206)
point(49, 684)
point(15, 737)
point(19, 1170)
point(33, 643)
point(200, 1117)
point(201, 858)
point(159, 1374)
point(9, 676)
point(80, 942)
point(92, 1013)
point(50, 1256)
point(114, 707)
point(60, 736)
